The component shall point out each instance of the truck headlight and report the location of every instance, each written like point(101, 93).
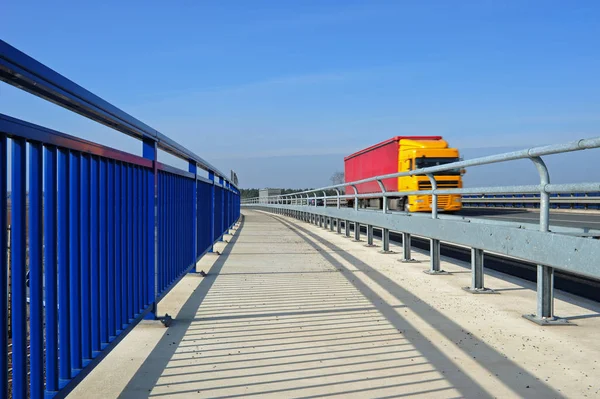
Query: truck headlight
point(458, 199)
point(419, 201)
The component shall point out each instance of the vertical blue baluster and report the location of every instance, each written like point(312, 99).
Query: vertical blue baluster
point(135, 246)
point(139, 213)
point(143, 239)
point(163, 188)
point(172, 206)
point(159, 239)
point(178, 199)
point(64, 308)
point(130, 244)
point(124, 247)
point(103, 256)
point(18, 269)
point(74, 261)
point(50, 269)
point(36, 294)
point(110, 189)
point(3, 268)
point(86, 325)
point(118, 250)
point(94, 256)
point(141, 236)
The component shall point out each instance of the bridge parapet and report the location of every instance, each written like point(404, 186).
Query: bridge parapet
point(98, 235)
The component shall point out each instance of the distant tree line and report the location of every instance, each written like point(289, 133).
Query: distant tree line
point(253, 192)
point(336, 178)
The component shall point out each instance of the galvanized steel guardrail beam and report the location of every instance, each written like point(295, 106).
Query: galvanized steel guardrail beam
point(565, 250)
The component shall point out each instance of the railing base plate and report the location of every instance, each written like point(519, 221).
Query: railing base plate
point(546, 321)
point(480, 290)
point(409, 261)
point(436, 272)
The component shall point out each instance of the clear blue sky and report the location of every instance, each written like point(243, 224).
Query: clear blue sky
point(281, 90)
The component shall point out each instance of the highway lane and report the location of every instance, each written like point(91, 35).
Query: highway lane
point(567, 219)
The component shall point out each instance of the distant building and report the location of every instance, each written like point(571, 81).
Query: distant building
point(263, 193)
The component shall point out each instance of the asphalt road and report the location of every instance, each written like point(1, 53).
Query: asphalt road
point(568, 219)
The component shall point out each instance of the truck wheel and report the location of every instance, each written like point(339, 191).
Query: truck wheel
point(405, 205)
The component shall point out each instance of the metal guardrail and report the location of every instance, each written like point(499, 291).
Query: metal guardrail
point(566, 249)
point(107, 233)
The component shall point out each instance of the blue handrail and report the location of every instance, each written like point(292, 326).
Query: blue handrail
point(108, 233)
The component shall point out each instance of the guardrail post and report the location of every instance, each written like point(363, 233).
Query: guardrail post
point(385, 233)
point(385, 241)
point(338, 225)
point(434, 244)
point(356, 231)
point(150, 151)
point(545, 275)
point(406, 247)
point(477, 275)
point(347, 228)
point(370, 236)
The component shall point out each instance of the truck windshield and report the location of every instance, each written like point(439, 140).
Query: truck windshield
point(425, 162)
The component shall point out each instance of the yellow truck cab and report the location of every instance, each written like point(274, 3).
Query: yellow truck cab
point(417, 154)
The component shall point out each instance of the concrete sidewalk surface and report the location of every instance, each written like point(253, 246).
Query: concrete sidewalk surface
point(290, 310)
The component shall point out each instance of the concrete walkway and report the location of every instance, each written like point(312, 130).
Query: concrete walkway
point(289, 310)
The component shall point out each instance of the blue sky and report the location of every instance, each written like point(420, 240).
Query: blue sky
point(282, 90)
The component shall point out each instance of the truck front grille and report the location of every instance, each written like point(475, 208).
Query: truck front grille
point(426, 185)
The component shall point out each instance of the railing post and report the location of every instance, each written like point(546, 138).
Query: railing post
point(211, 177)
point(150, 151)
point(545, 275)
point(434, 244)
point(193, 168)
point(222, 216)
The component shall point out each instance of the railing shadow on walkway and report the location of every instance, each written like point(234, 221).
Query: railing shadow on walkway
point(484, 354)
point(148, 374)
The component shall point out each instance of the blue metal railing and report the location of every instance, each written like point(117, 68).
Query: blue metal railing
point(103, 234)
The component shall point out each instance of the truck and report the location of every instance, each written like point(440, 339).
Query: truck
point(402, 154)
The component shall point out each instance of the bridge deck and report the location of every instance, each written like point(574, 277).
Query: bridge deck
point(291, 310)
